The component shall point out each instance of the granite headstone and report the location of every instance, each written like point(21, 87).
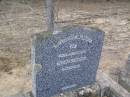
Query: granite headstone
point(65, 61)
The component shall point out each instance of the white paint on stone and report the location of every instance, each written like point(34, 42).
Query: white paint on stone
point(70, 67)
point(81, 37)
point(71, 61)
point(70, 86)
point(72, 53)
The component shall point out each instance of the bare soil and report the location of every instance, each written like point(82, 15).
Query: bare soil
point(22, 19)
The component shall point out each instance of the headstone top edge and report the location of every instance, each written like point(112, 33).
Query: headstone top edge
point(91, 29)
point(66, 29)
point(45, 34)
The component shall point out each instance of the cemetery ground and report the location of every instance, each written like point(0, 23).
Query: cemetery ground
point(20, 19)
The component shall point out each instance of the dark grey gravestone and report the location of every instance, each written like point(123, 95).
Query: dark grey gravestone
point(69, 60)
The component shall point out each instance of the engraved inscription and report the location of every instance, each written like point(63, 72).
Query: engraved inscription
point(81, 37)
point(72, 53)
point(70, 67)
point(68, 87)
point(73, 46)
point(71, 61)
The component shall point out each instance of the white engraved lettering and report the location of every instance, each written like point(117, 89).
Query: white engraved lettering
point(71, 61)
point(70, 86)
point(84, 38)
point(70, 67)
point(72, 53)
